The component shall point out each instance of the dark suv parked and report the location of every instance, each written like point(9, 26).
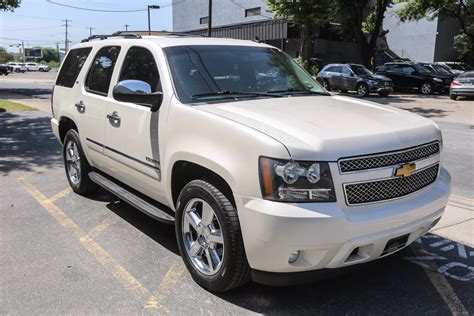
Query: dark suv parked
point(356, 77)
point(412, 76)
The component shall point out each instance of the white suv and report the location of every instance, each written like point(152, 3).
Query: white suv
point(264, 174)
point(37, 67)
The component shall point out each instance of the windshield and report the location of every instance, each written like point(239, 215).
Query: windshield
point(211, 72)
point(441, 69)
point(361, 70)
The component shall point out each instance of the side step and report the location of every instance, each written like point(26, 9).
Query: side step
point(131, 198)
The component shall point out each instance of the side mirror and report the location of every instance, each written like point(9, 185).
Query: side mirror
point(137, 91)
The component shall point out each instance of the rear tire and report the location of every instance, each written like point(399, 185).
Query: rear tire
point(453, 97)
point(326, 85)
point(217, 265)
point(76, 165)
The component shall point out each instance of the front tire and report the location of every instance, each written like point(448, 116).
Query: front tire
point(209, 237)
point(384, 94)
point(426, 88)
point(76, 165)
point(362, 90)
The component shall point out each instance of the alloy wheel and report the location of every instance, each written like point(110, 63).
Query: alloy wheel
point(73, 162)
point(362, 90)
point(426, 88)
point(202, 236)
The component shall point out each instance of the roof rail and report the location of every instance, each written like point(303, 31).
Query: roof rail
point(155, 33)
point(116, 34)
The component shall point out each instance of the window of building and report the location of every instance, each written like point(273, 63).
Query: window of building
point(139, 64)
point(204, 20)
point(72, 66)
point(252, 12)
point(100, 73)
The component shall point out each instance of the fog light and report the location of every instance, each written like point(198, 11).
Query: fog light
point(294, 256)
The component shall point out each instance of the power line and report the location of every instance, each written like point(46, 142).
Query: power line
point(95, 10)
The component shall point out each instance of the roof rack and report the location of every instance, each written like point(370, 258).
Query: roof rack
point(155, 33)
point(116, 34)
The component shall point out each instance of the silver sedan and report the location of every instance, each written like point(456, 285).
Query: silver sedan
point(462, 86)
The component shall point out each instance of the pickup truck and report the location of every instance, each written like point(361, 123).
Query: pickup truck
point(265, 175)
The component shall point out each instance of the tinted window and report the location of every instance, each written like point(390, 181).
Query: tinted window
point(139, 64)
point(395, 68)
point(98, 80)
point(346, 71)
point(408, 70)
point(335, 69)
point(72, 66)
point(467, 74)
point(361, 70)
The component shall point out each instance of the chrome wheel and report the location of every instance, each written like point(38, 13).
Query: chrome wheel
point(73, 162)
point(202, 236)
point(362, 90)
point(426, 88)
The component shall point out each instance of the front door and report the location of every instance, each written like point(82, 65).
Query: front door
point(132, 129)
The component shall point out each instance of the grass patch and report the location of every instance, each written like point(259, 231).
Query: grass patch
point(9, 106)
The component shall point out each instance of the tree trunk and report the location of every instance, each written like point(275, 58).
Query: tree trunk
point(306, 45)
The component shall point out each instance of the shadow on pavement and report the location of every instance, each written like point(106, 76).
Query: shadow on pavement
point(429, 113)
point(27, 142)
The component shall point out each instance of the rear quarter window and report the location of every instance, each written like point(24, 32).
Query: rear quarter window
point(72, 66)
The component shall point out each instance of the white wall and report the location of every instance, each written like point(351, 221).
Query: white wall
point(186, 14)
point(414, 40)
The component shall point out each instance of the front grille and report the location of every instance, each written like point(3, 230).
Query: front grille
point(381, 190)
point(388, 159)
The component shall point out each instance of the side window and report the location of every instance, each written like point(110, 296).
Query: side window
point(72, 66)
point(346, 71)
point(395, 69)
point(334, 69)
point(408, 70)
point(139, 64)
point(100, 73)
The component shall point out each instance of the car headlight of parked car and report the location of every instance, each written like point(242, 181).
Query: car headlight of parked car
point(296, 181)
point(437, 80)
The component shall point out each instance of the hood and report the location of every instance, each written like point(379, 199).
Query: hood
point(376, 77)
point(327, 128)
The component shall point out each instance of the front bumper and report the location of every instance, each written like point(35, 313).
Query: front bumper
point(326, 234)
point(381, 88)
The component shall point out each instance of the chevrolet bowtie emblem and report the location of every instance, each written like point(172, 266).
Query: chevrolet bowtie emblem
point(405, 170)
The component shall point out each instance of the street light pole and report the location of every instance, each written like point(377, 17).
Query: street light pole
point(151, 7)
point(209, 19)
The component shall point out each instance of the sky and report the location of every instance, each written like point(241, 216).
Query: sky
point(38, 22)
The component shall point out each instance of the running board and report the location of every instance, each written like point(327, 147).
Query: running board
point(131, 198)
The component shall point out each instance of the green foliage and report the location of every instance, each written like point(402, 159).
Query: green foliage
point(51, 64)
point(50, 54)
point(5, 56)
point(9, 5)
point(464, 46)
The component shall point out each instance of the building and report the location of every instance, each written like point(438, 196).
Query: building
point(252, 19)
point(424, 40)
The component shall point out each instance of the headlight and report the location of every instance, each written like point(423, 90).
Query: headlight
point(437, 80)
point(296, 181)
point(373, 82)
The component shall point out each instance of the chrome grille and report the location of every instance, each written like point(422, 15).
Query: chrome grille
point(367, 192)
point(388, 159)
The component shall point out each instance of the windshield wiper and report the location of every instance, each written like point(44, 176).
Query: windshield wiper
point(229, 93)
point(297, 91)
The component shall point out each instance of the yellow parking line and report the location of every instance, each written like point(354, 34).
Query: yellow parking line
point(59, 195)
point(444, 289)
point(166, 286)
point(99, 229)
point(119, 272)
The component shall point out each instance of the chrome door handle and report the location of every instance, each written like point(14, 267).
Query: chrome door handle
point(114, 117)
point(80, 107)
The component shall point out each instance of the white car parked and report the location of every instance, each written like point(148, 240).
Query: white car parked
point(265, 175)
point(37, 67)
point(18, 67)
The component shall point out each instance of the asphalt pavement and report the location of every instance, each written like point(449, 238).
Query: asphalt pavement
point(62, 253)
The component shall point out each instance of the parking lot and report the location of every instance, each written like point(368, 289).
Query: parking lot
point(67, 254)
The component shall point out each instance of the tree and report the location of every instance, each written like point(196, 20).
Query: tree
point(363, 20)
point(308, 15)
point(462, 10)
point(9, 5)
point(5, 57)
point(50, 54)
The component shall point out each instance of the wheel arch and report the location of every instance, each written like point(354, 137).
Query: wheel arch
point(65, 124)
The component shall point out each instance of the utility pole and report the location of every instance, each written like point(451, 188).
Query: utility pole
point(209, 19)
point(57, 50)
point(126, 27)
point(66, 41)
point(23, 50)
point(90, 30)
point(151, 7)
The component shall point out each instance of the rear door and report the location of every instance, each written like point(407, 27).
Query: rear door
point(335, 77)
point(91, 103)
point(349, 79)
point(132, 141)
